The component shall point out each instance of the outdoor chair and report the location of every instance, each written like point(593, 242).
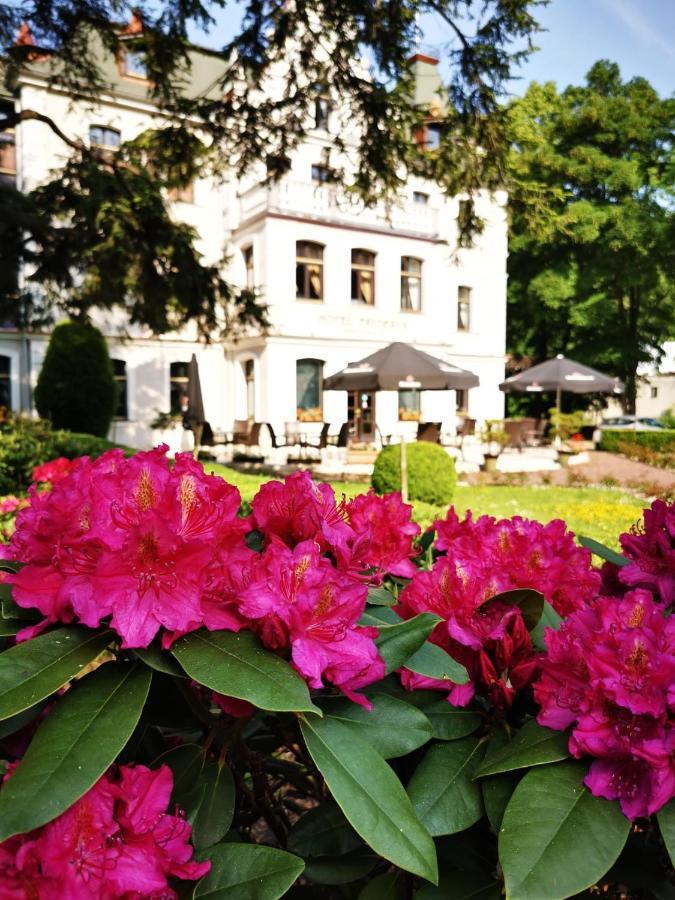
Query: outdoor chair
point(515, 432)
point(429, 431)
point(322, 438)
point(342, 438)
point(240, 432)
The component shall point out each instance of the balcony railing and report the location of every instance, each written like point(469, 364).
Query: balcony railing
point(331, 203)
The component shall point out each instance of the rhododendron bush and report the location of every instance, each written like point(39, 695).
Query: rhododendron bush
point(311, 698)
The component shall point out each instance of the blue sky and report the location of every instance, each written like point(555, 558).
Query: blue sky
point(637, 34)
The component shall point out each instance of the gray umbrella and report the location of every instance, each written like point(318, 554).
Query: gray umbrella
point(195, 415)
point(400, 365)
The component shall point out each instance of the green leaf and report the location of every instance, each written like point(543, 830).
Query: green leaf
point(448, 722)
point(397, 643)
point(159, 660)
point(323, 831)
point(533, 745)
point(20, 720)
point(248, 872)
point(186, 763)
point(11, 610)
point(239, 666)
point(9, 627)
point(457, 885)
point(442, 789)
point(556, 838)
point(666, 819)
point(215, 812)
point(603, 552)
point(497, 789)
point(380, 596)
point(529, 602)
point(390, 886)
point(370, 795)
point(379, 616)
point(434, 662)
point(549, 619)
point(73, 746)
point(340, 869)
point(37, 668)
point(392, 727)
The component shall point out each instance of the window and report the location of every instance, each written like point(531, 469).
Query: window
point(249, 376)
point(463, 308)
point(321, 174)
point(363, 277)
point(120, 373)
point(465, 220)
point(247, 253)
point(308, 271)
point(321, 112)
point(411, 284)
point(462, 401)
point(185, 194)
point(309, 390)
point(5, 382)
point(409, 409)
point(432, 136)
point(7, 158)
point(420, 197)
point(654, 392)
point(132, 64)
point(104, 137)
point(178, 383)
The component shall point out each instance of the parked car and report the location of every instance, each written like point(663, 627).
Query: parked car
point(635, 423)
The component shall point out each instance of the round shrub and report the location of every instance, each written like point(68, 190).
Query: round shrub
point(431, 472)
point(76, 389)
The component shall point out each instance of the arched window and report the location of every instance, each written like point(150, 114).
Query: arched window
point(308, 270)
point(5, 382)
point(363, 277)
point(309, 390)
point(120, 373)
point(411, 284)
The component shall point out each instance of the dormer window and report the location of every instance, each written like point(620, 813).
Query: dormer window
point(432, 136)
point(420, 198)
point(322, 108)
point(132, 64)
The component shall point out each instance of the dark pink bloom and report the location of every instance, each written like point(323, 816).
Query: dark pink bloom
point(609, 674)
point(651, 550)
point(384, 533)
point(53, 470)
point(117, 841)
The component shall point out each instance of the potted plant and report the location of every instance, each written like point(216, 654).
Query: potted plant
point(567, 427)
point(495, 439)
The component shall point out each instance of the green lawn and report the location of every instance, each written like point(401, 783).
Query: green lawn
point(597, 512)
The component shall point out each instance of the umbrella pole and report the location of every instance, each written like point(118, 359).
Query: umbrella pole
point(557, 406)
point(404, 470)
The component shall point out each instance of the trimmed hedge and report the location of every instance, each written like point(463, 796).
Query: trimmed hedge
point(431, 472)
point(663, 441)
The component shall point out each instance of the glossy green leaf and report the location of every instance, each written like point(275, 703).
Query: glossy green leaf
point(392, 727)
point(390, 886)
point(448, 722)
point(74, 746)
point(549, 619)
point(248, 872)
point(397, 643)
point(379, 616)
point(37, 668)
point(434, 662)
point(237, 665)
point(159, 660)
point(556, 838)
point(603, 552)
point(666, 819)
point(457, 885)
point(186, 763)
point(497, 789)
point(380, 596)
point(529, 602)
point(340, 869)
point(370, 795)
point(442, 789)
point(323, 831)
point(216, 809)
point(533, 745)
point(20, 720)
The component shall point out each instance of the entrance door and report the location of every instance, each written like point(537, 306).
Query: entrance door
point(361, 416)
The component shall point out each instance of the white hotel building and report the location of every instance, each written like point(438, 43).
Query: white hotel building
point(340, 280)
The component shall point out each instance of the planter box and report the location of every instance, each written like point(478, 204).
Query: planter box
point(489, 463)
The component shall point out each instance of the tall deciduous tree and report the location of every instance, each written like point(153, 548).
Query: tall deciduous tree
point(592, 257)
point(111, 214)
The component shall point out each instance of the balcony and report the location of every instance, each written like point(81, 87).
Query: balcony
point(328, 203)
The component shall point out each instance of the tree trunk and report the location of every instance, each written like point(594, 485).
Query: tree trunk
point(632, 343)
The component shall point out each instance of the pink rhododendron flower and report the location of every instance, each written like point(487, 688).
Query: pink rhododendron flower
point(384, 533)
point(117, 841)
point(297, 598)
point(9, 504)
point(489, 639)
point(609, 674)
point(52, 471)
point(519, 553)
point(651, 550)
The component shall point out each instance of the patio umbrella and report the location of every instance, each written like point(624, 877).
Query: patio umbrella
point(194, 416)
point(562, 374)
point(401, 366)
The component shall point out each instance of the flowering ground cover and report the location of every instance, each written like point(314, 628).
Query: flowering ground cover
point(312, 696)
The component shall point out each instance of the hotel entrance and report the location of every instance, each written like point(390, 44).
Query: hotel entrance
point(361, 416)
